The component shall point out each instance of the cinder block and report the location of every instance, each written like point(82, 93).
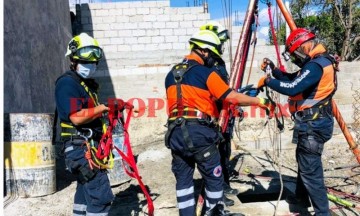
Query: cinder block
point(177, 17)
point(101, 27)
point(165, 46)
point(158, 39)
point(108, 5)
point(144, 40)
point(183, 10)
point(137, 47)
point(191, 31)
point(109, 48)
point(190, 17)
point(136, 18)
point(117, 40)
point(101, 13)
point(186, 24)
point(138, 32)
point(150, 18)
point(96, 20)
point(151, 46)
point(163, 17)
point(145, 25)
point(109, 19)
point(163, 3)
point(122, 19)
point(123, 48)
point(125, 5)
point(156, 11)
point(196, 10)
point(179, 32)
point(166, 32)
point(130, 25)
point(158, 25)
point(143, 10)
point(98, 34)
point(171, 39)
point(104, 41)
point(115, 12)
point(94, 6)
point(111, 34)
point(197, 24)
point(130, 40)
point(172, 24)
point(203, 16)
point(178, 46)
point(152, 32)
point(130, 11)
point(183, 39)
point(124, 33)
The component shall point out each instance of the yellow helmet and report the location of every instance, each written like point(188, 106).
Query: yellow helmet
point(206, 39)
point(84, 48)
point(218, 29)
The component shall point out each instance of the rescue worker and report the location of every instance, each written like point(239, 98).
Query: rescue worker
point(310, 92)
point(225, 145)
point(191, 89)
point(80, 115)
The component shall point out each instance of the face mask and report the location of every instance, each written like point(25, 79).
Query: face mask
point(86, 70)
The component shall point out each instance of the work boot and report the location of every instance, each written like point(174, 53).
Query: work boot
point(229, 190)
point(219, 210)
point(228, 202)
point(293, 200)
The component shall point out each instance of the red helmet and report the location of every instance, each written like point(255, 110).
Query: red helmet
point(298, 37)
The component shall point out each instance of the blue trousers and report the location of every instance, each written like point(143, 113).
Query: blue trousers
point(94, 196)
point(310, 137)
point(207, 158)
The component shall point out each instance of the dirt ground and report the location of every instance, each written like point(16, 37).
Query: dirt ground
point(254, 164)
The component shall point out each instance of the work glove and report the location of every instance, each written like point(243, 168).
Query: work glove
point(267, 105)
point(249, 90)
point(262, 82)
point(267, 62)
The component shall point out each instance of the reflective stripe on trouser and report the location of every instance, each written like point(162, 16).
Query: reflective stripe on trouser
point(310, 182)
point(210, 169)
point(95, 195)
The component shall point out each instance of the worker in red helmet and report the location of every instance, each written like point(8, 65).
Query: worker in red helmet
point(310, 91)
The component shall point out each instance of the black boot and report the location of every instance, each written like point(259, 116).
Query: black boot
point(229, 190)
point(228, 202)
point(293, 200)
point(219, 210)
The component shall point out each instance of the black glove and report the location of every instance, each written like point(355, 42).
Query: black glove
point(267, 62)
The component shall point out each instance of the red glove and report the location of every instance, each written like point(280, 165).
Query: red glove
point(265, 63)
point(267, 105)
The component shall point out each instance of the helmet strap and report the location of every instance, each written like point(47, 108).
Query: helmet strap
point(208, 61)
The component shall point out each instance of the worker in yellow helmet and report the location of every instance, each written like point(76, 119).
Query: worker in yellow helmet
point(225, 145)
point(192, 135)
point(80, 115)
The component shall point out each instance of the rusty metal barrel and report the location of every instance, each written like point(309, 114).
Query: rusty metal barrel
point(29, 156)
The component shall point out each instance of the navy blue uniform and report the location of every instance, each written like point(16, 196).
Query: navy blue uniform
point(94, 196)
point(198, 87)
point(311, 88)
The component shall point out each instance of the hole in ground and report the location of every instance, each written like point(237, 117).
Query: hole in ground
point(272, 194)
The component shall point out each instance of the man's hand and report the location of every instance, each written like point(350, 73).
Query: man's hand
point(267, 62)
point(262, 82)
point(267, 105)
point(249, 90)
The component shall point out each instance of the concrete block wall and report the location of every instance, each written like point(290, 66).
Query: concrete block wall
point(141, 33)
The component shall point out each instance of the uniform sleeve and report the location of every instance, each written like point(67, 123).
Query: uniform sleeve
point(279, 75)
point(217, 87)
point(309, 76)
point(68, 97)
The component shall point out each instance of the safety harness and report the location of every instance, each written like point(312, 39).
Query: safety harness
point(102, 156)
point(324, 107)
point(182, 116)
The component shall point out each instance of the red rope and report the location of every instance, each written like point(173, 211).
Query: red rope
point(130, 161)
point(282, 68)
